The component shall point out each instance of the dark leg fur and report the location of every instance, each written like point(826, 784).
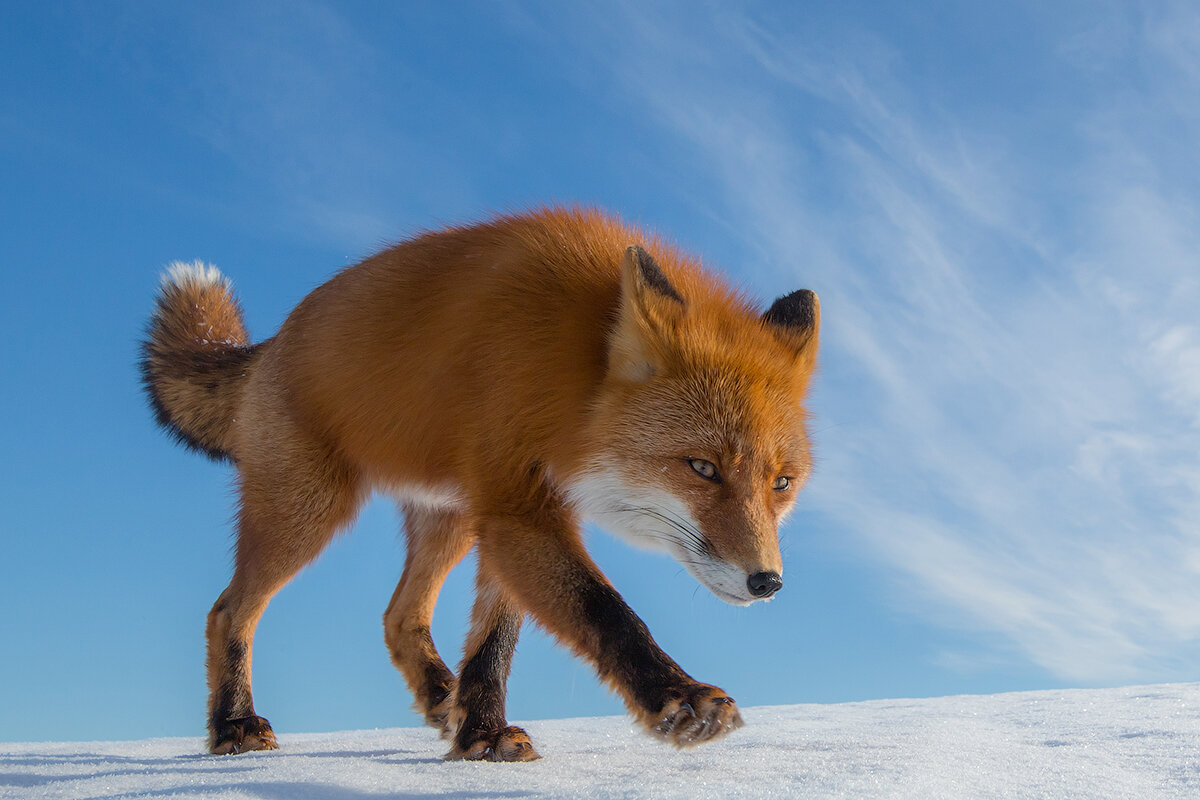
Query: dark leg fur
point(627, 653)
point(480, 728)
point(675, 707)
point(436, 684)
point(232, 725)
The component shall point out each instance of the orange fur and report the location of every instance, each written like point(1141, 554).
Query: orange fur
point(502, 380)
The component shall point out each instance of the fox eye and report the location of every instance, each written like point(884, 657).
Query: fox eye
point(705, 469)
point(782, 483)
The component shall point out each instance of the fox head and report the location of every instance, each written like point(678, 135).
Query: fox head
point(698, 443)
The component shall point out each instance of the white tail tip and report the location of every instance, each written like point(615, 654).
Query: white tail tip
point(196, 274)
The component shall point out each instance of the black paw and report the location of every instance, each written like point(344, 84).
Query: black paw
point(700, 714)
point(507, 744)
point(242, 736)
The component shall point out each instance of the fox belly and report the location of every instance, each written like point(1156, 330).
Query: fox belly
point(503, 382)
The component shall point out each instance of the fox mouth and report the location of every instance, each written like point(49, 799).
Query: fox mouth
point(721, 594)
point(718, 577)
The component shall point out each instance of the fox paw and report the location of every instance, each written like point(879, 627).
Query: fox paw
point(438, 716)
point(701, 713)
point(507, 744)
point(242, 736)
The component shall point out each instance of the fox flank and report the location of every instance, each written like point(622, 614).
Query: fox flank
point(504, 382)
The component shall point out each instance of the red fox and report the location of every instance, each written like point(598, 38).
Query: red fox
point(504, 381)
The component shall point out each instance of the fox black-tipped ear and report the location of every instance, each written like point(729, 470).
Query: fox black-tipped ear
point(650, 305)
point(642, 274)
point(796, 318)
point(799, 311)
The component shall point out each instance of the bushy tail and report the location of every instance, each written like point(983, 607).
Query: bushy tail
point(195, 357)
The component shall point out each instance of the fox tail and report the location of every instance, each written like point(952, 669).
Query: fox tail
point(195, 358)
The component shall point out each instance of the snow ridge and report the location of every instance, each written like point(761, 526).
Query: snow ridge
point(1096, 743)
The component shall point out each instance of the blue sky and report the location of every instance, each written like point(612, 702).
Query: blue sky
point(997, 204)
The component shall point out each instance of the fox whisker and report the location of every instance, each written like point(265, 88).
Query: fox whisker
point(693, 540)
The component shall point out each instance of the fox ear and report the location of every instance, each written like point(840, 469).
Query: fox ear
point(649, 306)
point(641, 276)
point(795, 318)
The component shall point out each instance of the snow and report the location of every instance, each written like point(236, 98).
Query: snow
point(1141, 742)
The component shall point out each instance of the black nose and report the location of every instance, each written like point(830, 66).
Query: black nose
point(764, 584)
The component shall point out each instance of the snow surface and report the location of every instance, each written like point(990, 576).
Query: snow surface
point(1139, 742)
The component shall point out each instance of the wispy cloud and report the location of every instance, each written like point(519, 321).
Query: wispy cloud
point(1012, 353)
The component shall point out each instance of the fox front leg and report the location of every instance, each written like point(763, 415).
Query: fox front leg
point(476, 724)
point(543, 564)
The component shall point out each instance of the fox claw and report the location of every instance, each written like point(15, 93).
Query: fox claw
point(509, 744)
point(702, 714)
point(242, 736)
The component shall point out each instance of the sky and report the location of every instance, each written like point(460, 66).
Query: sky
point(997, 204)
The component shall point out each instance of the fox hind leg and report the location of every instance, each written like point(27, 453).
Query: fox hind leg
point(291, 506)
point(478, 726)
point(436, 541)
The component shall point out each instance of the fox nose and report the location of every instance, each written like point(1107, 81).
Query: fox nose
point(764, 584)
